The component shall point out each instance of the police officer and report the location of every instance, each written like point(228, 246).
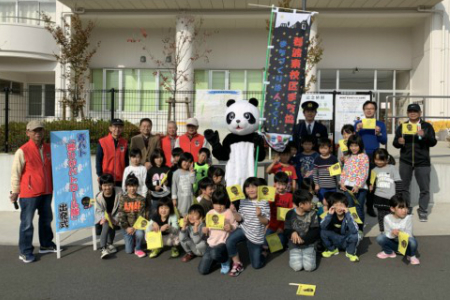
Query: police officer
point(309, 127)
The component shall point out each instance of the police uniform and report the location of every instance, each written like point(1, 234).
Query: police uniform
point(301, 130)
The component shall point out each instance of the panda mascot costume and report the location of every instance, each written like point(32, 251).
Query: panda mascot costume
point(239, 147)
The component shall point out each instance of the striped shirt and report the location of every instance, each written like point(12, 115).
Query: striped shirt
point(253, 229)
point(321, 174)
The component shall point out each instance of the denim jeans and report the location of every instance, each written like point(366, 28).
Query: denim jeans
point(217, 253)
point(106, 233)
point(28, 206)
point(280, 235)
point(390, 245)
point(254, 250)
point(136, 239)
point(323, 191)
point(332, 240)
point(361, 197)
point(302, 258)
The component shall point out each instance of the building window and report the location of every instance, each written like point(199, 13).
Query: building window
point(26, 12)
point(41, 100)
point(356, 79)
point(15, 88)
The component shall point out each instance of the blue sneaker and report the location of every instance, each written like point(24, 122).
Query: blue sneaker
point(225, 267)
point(27, 258)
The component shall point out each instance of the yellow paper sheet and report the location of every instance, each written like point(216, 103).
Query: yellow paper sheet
point(403, 239)
point(335, 169)
point(140, 224)
point(165, 179)
point(274, 242)
point(181, 222)
point(281, 213)
point(343, 145)
point(408, 128)
point(306, 290)
point(215, 221)
point(322, 216)
point(373, 177)
point(154, 240)
point(235, 192)
point(355, 215)
point(266, 193)
point(108, 219)
point(369, 123)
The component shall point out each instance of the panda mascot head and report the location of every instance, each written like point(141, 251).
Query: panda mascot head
point(242, 116)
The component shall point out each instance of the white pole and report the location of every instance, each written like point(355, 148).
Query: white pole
point(58, 246)
point(94, 239)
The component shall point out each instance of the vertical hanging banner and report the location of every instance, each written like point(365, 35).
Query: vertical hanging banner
point(72, 180)
point(286, 76)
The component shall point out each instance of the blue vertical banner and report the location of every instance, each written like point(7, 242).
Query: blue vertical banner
point(72, 180)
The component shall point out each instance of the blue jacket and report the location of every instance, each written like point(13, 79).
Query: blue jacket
point(372, 141)
point(349, 225)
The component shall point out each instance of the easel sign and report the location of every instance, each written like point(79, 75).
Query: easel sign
point(72, 183)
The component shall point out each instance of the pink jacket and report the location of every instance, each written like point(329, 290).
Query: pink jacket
point(217, 236)
point(356, 170)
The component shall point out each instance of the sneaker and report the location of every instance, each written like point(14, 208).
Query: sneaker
point(140, 253)
point(27, 258)
point(111, 249)
point(154, 253)
point(329, 253)
point(174, 252)
point(422, 216)
point(105, 253)
point(413, 260)
point(225, 267)
point(353, 258)
point(384, 255)
point(237, 269)
point(51, 249)
point(188, 257)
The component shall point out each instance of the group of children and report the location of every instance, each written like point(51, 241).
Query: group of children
point(176, 201)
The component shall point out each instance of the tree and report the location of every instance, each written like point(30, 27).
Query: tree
point(75, 55)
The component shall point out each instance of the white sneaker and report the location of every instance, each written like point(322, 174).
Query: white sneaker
point(105, 253)
point(111, 248)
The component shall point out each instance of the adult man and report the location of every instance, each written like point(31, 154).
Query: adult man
point(191, 141)
point(112, 153)
point(309, 127)
point(372, 139)
point(145, 141)
point(31, 181)
point(415, 157)
point(168, 142)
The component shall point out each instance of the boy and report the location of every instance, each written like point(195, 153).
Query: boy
point(281, 163)
point(339, 229)
point(176, 153)
point(398, 221)
point(206, 186)
point(131, 207)
point(201, 166)
point(322, 180)
point(302, 227)
point(304, 163)
point(139, 171)
point(191, 235)
point(107, 203)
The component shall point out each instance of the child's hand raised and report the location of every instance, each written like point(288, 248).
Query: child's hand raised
point(258, 211)
point(191, 168)
point(331, 210)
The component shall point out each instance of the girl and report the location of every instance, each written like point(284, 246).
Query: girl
point(166, 221)
point(253, 216)
point(217, 249)
point(354, 175)
point(155, 175)
point(217, 175)
point(346, 131)
point(386, 185)
point(182, 184)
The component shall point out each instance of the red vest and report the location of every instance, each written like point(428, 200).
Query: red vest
point(36, 177)
point(113, 158)
point(166, 146)
point(192, 146)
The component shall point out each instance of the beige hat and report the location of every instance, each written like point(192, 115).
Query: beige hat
point(32, 125)
point(192, 121)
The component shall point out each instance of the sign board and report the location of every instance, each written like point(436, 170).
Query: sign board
point(325, 110)
point(348, 110)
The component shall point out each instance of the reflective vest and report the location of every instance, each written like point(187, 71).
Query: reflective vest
point(113, 157)
point(193, 145)
point(36, 177)
point(166, 147)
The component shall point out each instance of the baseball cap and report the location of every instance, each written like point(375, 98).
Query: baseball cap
point(414, 107)
point(192, 121)
point(117, 122)
point(32, 125)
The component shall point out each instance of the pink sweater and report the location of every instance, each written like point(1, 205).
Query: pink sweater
point(217, 236)
point(356, 170)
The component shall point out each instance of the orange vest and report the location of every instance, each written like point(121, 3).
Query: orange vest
point(36, 177)
point(193, 145)
point(113, 158)
point(166, 147)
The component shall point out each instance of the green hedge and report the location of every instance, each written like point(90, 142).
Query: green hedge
point(97, 129)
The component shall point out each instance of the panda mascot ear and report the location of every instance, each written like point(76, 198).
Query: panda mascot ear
point(230, 102)
point(253, 101)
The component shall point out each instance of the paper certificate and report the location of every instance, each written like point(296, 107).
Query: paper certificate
point(266, 193)
point(369, 123)
point(235, 192)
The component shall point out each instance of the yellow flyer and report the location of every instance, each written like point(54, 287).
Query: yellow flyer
point(266, 193)
point(322, 216)
point(164, 179)
point(335, 169)
point(355, 215)
point(408, 128)
point(154, 240)
point(181, 222)
point(281, 213)
point(235, 192)
point(140, 224)
point(306, 290)
point(215, 221)
point(274, 242)
point(369, 123)
point(373, 177)
point(108, 219)
point(403, 238)
point(343, 145)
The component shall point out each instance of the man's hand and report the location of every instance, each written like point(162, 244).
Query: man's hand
point(377, 130)
point(359, 126)
point(371, 188)
point(420, 132)
point(401, 141)
point(13, 197)
point(174, 202)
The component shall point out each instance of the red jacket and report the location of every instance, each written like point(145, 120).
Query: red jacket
point(36, 177)
point(166, 146)
point(193, 145)
point(113, 158)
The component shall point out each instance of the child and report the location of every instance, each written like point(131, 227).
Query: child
point(191, 234)
point(354, 175)
point(131, 207)
point(346, 131)
point(107, 203)
point(139, 171)
point(217, 249)
point(339, 230)
point(302, 227)
point(253, 216)
point(166, 221)
point(282, 199)
point(387, 183)
point(398, 221)
point(304, 163)
point(324, 206)
point(176, 153)
point(182, 184)
point(201, 166)
point(281, 163)
point(206, 187)
point(216, 174)
point(155, 175)
point(323, 182)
